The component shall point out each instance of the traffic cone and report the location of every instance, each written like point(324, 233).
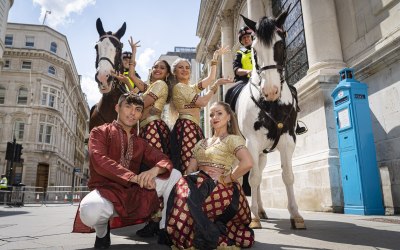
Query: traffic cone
point(56, 197)
point(37, 197)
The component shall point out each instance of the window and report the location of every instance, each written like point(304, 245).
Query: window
point(45, 133)
point(51, 70)
point(26, 65)
point(296, 60)
point(49, 96)
point(6, 64)
point(53, 47)
point(19, 130)
point(2, 94)
point(23, 96)
point(8, 40)
point(30, 41)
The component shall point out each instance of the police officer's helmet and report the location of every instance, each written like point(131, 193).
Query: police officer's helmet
point(126, 54)
point(244, 31)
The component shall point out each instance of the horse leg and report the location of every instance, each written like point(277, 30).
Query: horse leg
point(286, 153)
point(261, 211)
point(255, 181)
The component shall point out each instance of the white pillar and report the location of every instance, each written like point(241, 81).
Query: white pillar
point(322, 35)
point(227, 36)
point(255, 9)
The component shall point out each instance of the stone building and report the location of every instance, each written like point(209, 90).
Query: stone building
point(43, 107)
point(324, 36)
point(4, 9)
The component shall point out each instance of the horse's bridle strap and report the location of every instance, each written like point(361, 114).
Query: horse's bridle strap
point(280, 67)
point(108, 60)
point(109, 36)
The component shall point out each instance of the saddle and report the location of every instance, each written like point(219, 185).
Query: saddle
point(233, 93)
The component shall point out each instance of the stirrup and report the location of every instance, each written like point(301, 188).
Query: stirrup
point(301, 130)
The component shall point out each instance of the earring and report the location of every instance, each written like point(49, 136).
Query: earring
point(229, 123)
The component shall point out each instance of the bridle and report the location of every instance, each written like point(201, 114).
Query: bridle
point(280, 67)
point(118, 48)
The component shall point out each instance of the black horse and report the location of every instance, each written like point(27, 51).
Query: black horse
point(108, 59)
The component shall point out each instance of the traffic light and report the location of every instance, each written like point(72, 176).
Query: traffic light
point(10, 151)
point(18, 152)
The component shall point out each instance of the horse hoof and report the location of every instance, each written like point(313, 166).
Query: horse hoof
point(263, 215)
point(255, 224)
point(297, 223)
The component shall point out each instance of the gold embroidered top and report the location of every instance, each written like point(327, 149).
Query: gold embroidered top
point(220, 155)
point(184, 97)
point(158, 90)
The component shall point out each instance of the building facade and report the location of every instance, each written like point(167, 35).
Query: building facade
point(324, 36)
point(5, 6)
point(43, 107)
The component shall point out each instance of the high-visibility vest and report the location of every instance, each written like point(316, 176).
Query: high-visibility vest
point(3, 183)
point(246, 58)
point(126, 73)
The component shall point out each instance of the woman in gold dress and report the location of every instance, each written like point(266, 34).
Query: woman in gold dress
point(187, 101)
point(208, 209)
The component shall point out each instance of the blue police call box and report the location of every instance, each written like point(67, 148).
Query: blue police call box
point(360, 175)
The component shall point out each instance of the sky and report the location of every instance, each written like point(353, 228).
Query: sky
point(160, 25)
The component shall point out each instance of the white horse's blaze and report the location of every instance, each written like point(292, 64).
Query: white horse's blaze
point(258, 128)
point(105, 49)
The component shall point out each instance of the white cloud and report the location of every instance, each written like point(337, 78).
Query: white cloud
point(61, 10)
point(145, 62)
point(89, 87)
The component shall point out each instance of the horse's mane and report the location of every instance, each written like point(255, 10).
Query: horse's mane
point(265, 30)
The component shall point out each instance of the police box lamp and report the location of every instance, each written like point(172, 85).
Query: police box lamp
point(361, 181)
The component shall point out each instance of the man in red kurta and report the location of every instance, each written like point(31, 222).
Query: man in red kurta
point(120, 195)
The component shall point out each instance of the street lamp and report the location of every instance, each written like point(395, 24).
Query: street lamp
point(45, 15)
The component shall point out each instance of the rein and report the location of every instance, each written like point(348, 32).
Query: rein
point(279, 124)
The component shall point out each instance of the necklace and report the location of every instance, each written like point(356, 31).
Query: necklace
point(214, 140)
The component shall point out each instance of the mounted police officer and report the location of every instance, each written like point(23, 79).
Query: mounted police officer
point(129, 84)
point(242, 67)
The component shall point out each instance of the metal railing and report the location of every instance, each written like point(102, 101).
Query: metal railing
point(38, 196)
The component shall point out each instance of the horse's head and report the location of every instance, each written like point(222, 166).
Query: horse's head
point(269, 53)
point(108, 56)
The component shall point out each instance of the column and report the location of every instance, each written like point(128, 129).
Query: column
point(255, 9)
point(227, 37)
point(322, 35)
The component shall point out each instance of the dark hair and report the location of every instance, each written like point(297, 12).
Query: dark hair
point(233, 128)
point(131, 98)
point(168, 80)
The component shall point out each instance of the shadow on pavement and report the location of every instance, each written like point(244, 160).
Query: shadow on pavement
point(341, 232)
point(4, 213)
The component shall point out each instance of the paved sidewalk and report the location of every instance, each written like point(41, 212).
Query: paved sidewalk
point(49, 227)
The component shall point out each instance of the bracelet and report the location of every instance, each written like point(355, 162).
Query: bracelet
point(132, 63)
point(214, 88)
point(214, 62)
point(231, 176)
point(221, 179)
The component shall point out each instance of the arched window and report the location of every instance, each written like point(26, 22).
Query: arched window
point(51, 70)
point(22, 96)
point(2, 94)
point(53, 47)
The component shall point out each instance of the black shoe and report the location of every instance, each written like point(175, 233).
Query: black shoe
point(301, 130)
point(105, 242)
point(163, 238)
point(152, 228)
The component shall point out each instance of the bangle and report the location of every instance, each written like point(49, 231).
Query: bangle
point(214, 62)
point(231, 176)
point(132, 63)
point(221, 179)
point(214, 88)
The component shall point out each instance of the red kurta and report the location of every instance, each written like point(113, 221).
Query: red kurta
point(112, 163)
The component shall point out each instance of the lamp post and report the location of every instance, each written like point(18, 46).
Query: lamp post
point(45, 15)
